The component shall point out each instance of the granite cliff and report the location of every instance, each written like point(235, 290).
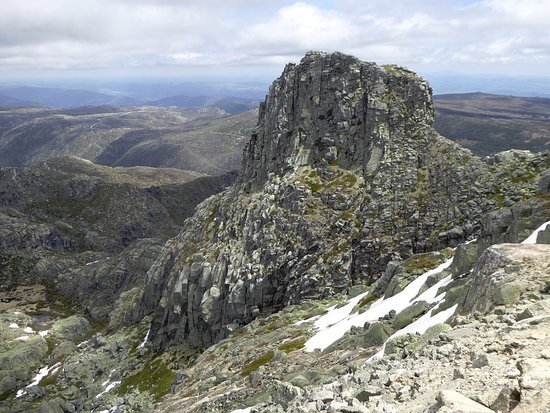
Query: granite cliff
point(341, 271)
point(343, 174)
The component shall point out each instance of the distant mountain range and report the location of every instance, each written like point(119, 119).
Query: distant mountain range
point(486, 123)
point(32, 96)
point(204, 140)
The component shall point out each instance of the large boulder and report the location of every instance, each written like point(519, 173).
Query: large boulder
point(495, 278)
point(71, 328)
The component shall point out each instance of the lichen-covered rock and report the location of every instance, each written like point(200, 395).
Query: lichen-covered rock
point(343, 174)
point(544, 183)
point(125, 308)
point(71, 328)
point(409, 314)
point(493, 282)
point(464, 259)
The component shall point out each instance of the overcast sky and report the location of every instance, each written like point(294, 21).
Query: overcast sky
point(257, 37)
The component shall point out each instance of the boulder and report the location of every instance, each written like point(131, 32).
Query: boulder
point(496, 278)
point(71, 328)
point(457, 402)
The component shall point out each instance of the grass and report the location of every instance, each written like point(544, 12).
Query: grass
point(314, 186)
point(422, 261)
point(256, 364)
point(292, 345)
point(155, 378)
point(367, 300)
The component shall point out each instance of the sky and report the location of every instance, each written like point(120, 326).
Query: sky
point(255, 38)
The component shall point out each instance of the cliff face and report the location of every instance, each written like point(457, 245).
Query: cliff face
point(343, 173)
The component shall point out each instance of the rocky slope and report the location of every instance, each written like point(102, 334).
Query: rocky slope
point(343, 174)
point(203, 140)
point(339, 273)
point(91, 231)
point(490, 355)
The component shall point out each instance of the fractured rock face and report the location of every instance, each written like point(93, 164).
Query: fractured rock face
point(494, 277)
point(343, 174)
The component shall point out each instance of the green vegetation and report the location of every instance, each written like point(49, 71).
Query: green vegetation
point(314, 186)
point(336, 250)
point(422, 262)
point(155, 378)
point(367, 300)
point(49, 380)
point(292, 345)
point(256, 364)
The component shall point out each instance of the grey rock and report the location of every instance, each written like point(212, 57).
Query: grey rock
point(544, 183)
point(71, 328)
point(369, 391)
point(283, 393)
point(493, 284)
point(456, 401)
point(64, 350)
point(409, 314)
point(464, 259)
point(344, 153)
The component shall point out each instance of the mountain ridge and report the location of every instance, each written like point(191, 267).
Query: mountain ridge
point(343, 174)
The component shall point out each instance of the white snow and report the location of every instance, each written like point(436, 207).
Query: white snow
point(13, 325)
point(79, 345)
point(532, 239)
point(92, 262)
point(338, 321)
point(421, 325)
point(44, 371)
point(247, 410)
point(22, 338)
point(28, 330)
point(44, 333)
point(108, 388)
point(145, 339)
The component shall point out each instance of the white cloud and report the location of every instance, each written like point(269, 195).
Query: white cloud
point(149, 33)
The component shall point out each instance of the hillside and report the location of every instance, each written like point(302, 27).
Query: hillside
point(58, 215)
point(203, 140)
point(487, 124)
point(360, 263)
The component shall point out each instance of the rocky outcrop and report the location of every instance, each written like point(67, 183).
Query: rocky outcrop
point(343, 173)
point(88, 231)
point(492, 282)
point(494, 358)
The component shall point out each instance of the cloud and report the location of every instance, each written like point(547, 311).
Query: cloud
point(88, 34)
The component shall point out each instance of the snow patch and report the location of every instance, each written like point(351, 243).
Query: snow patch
point(145, 339)
point(44, 333)
point(22, 338)
point(247, 410)
point(338, 321)
point(108, 388)
point(420, 326)
point(307, 320)
point(28, 330)
point(13, 325)
point(43, 372)
point(532, 239)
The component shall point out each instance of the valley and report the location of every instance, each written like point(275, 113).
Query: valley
point(358, 262)
point(488, 123)
point(203, 140)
